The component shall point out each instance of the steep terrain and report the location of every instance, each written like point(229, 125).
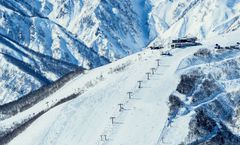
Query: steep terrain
point(201, 18)
point(36, 51)
point(114, 29)
point(207, 97)
point(56, 30)
point(90, 33)
point(191, 97)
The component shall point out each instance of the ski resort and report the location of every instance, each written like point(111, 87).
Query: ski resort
point(156, 47)
point(129, 113)
point(184, 42)
point(108, 72)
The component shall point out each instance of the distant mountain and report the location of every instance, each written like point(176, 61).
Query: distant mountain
point(36, 51)
point(192, 97)
point(201, 18)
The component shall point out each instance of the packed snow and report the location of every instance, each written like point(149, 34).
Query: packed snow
point(81, 32)
point(144, 118)
point(83, 120)
point(51, 35)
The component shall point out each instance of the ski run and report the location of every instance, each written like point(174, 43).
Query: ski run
point(118, 105)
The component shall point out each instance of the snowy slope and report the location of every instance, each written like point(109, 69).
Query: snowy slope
point(113, 28)
point(34, 52)
point(204, 105)
point(146, 111)
point(146, 117)
point(201, 18)
point(85, 32)
point(42, 40)
point(80, 33)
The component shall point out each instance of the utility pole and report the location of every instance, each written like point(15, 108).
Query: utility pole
point(112, 118)
point(148, 75)
point(140, 84)
point(129, 94)
point(158, 62)
point(103, 137)
point(120, 107)
point(153, 70)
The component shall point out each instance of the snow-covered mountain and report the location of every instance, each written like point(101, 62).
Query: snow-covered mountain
point(192, 97)
point(90, 33)
point(77, 33)
point(201, 18)
point(36, 51)
point(113, 28)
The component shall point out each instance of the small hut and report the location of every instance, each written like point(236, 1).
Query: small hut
point(156, 47)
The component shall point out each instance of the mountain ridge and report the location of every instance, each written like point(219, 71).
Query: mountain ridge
point(43, 40)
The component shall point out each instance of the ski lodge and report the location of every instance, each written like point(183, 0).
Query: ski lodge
point(184, 42)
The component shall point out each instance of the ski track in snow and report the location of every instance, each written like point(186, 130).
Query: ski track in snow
point(83, 120)
point(145, 117)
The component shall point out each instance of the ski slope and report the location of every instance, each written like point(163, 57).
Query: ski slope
point(82, 120)
point(144, 119)
point(63, 32)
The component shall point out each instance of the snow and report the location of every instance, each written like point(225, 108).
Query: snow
point(178, 131)
point(144, 119)
point(36, 42)
point(201, 18)
point(224, 40)
point(84, 119)
point(115, 11)
point(112, 29)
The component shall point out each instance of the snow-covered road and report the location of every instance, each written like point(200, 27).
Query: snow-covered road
point(82, 120)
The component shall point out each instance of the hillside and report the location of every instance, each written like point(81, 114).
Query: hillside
point(190, 98)
point(42, 40)
point(67, 67)
point(201, 18)
point(37, 52)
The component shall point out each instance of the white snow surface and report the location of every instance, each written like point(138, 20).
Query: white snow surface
point(80, 31)
point(83, 120)
point(143, 120)
point(202, 18)
point(74, 24)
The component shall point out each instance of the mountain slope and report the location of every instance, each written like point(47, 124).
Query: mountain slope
point(90, 33)
point(152, 115)
point(43, 40)
point(201, 18)
point(206, 98)
point(112, 28)
point(58, 29)
point(146, 111)
point(36, 52)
